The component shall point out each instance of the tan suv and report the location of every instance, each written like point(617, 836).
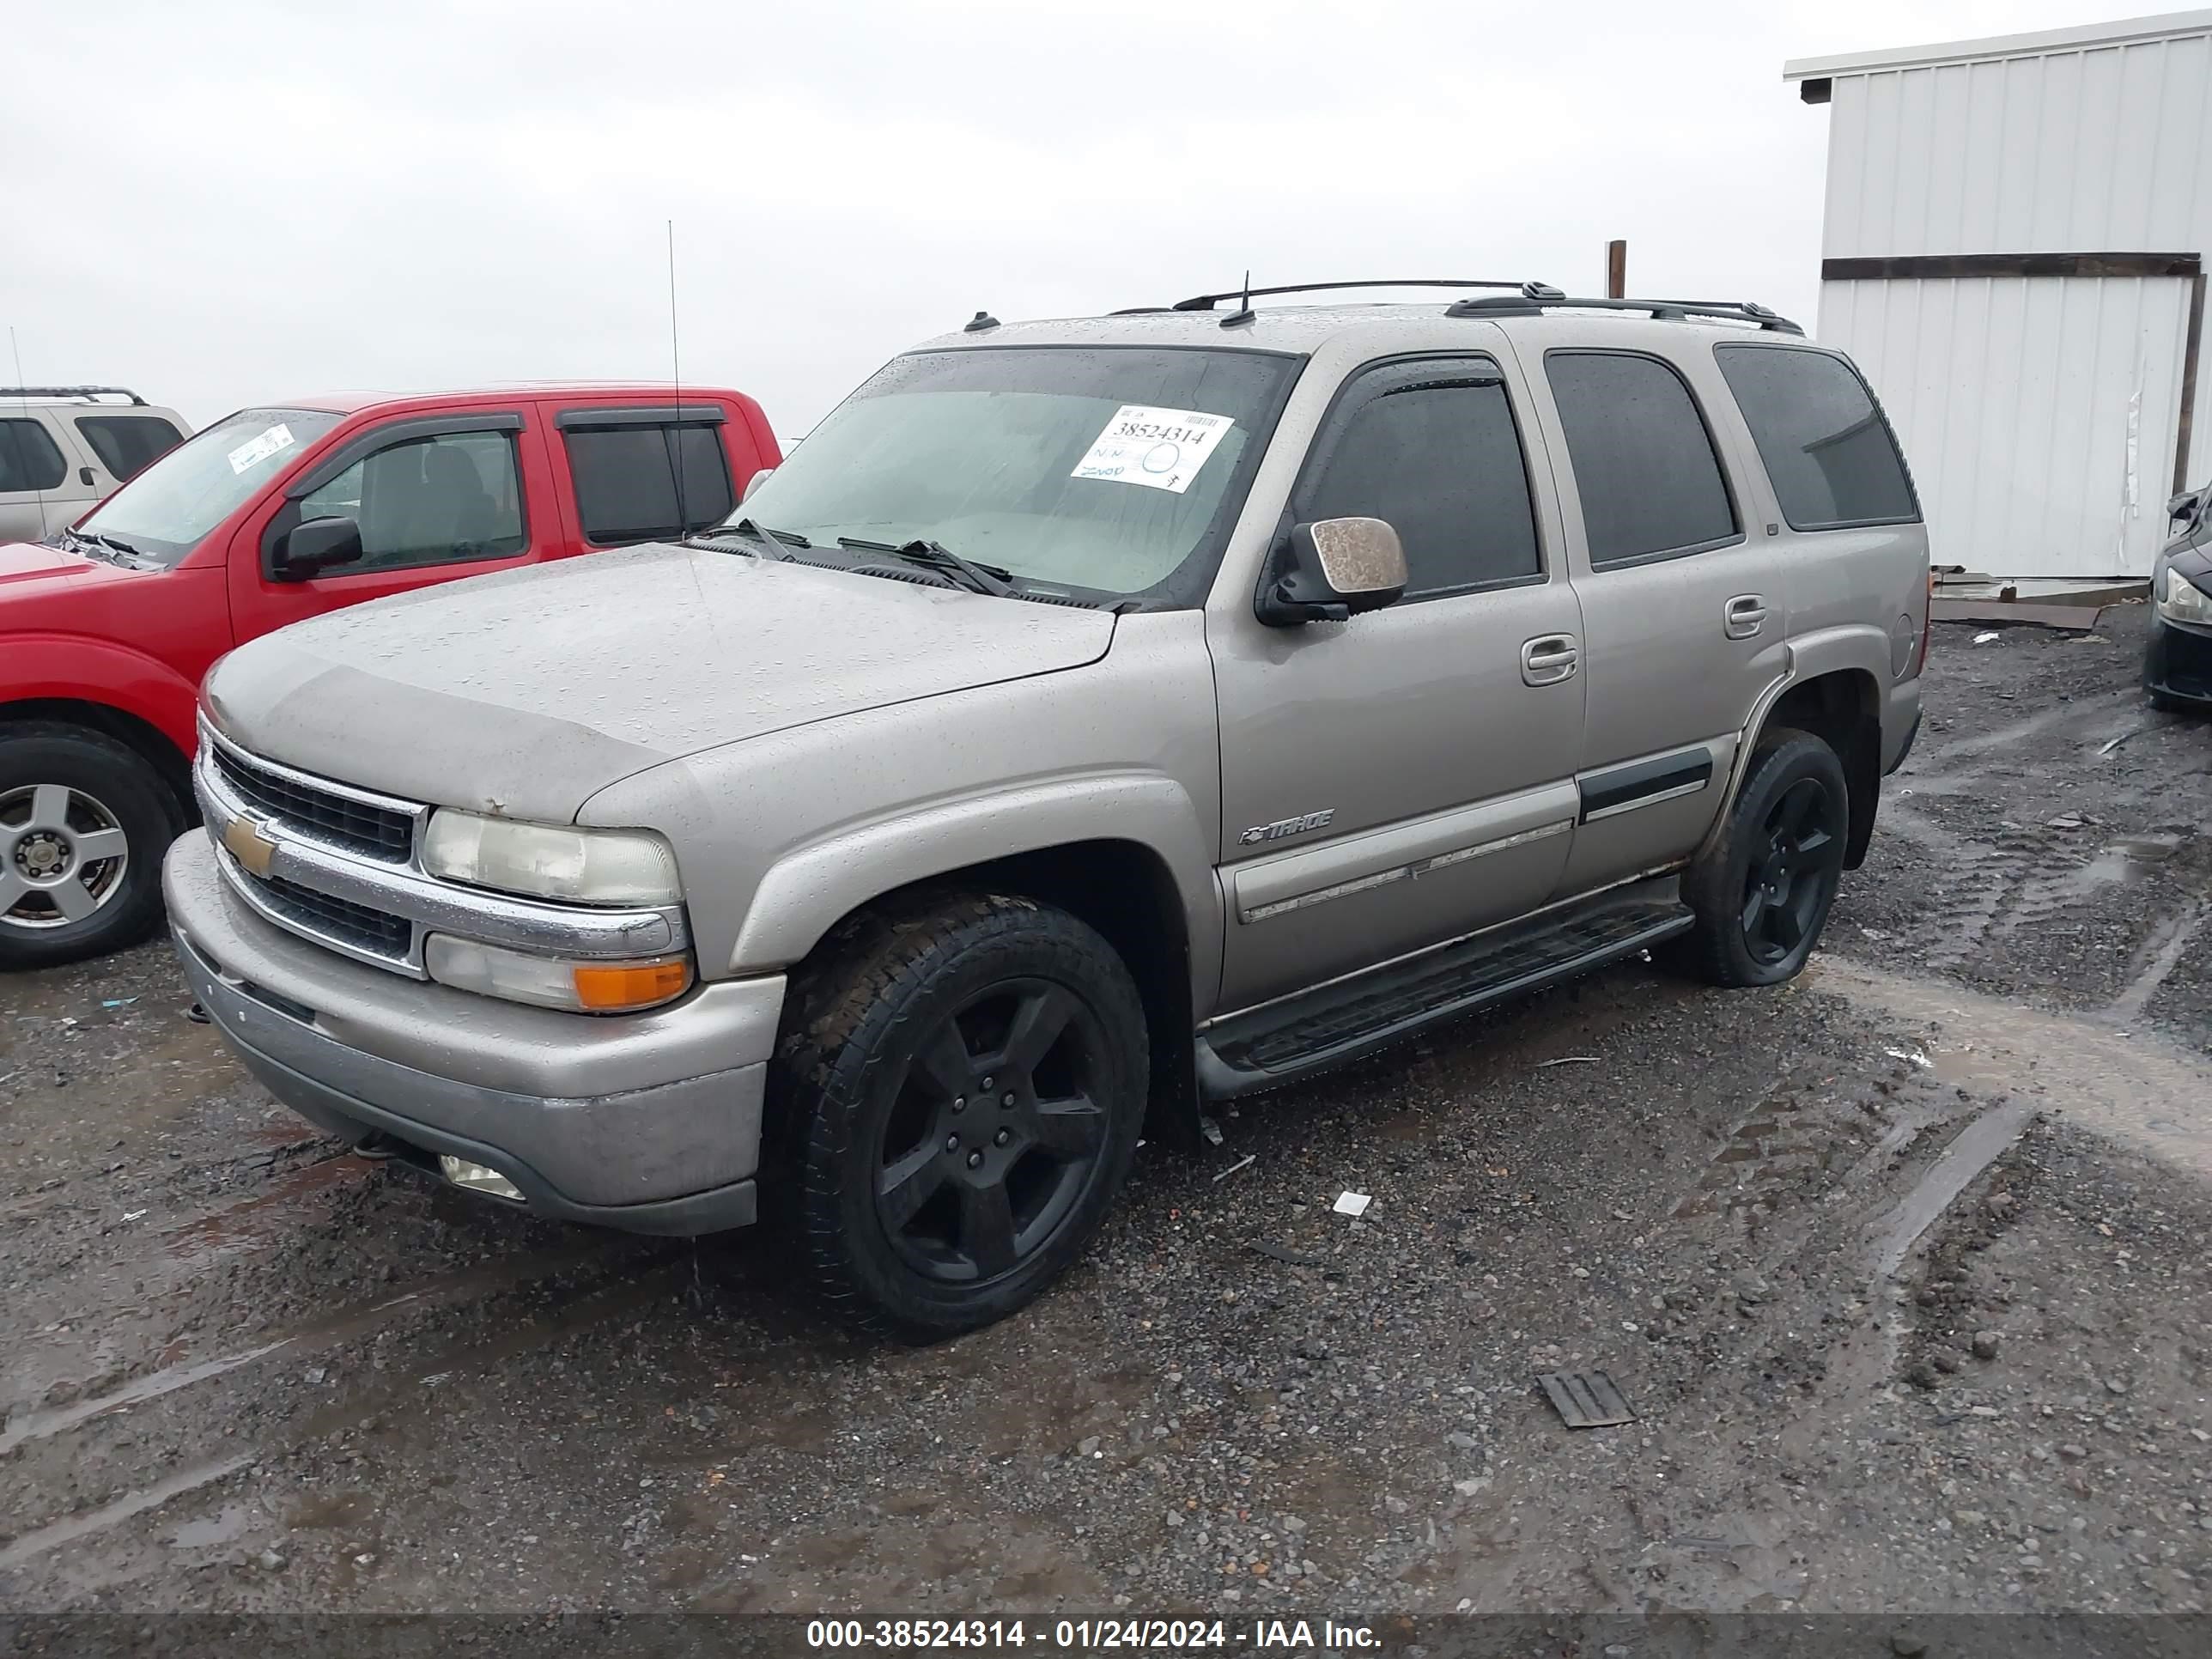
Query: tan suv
point(1092, 719)
point(64, 448)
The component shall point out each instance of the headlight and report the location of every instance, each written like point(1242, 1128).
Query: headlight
point(590, 987)
point(2183, 600)
point(583, 866)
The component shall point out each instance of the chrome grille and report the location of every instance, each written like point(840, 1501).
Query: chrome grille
point(359, 826)
point(330, 917)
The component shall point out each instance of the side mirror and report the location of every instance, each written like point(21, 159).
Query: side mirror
point(755, 482)
point(1335, 569)
point(313, 547)
point(2183, 509)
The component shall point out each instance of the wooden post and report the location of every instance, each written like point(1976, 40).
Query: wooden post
point(1616, 271)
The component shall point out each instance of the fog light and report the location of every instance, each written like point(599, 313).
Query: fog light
point(478, 1177)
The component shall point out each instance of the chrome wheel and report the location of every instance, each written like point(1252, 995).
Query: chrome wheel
point(63, 856)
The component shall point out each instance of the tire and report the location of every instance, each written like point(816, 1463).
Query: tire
point(67, 793)
point(1761, 893)
point(923, 1205)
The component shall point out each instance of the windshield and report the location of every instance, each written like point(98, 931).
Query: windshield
point(1091, 470)
point(162, 514)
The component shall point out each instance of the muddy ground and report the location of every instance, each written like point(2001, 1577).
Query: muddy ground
point(1902, 1266)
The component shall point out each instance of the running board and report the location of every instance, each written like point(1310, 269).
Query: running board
point(1285, 1041)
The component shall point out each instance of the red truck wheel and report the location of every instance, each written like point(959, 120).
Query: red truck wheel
point(84, 821)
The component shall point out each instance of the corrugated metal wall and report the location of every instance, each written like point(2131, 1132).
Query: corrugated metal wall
point(2040, 413)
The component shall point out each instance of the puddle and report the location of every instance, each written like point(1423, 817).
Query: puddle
point(2131, 1084)
point(85, 1523)
point(232, 1523)
point(252, 1222)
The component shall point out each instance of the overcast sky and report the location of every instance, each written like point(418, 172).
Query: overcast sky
point(229, 203)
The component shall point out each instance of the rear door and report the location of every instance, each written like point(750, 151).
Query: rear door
point(644, 472)
point(1407, 777)
point(437, 497)
point(1682, 617)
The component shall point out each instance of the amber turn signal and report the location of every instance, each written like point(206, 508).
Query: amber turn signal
point(629, 985)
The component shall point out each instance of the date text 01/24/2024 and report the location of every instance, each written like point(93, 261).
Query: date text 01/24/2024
point(1171, 1635)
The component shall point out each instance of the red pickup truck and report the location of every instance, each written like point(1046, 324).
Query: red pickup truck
point(271, 515)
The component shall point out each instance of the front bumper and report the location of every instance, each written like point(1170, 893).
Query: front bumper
point(647, 1122)
point(2177, 661)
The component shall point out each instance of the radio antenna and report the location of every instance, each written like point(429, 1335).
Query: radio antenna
point(676, 376)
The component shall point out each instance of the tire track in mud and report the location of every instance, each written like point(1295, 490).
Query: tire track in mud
point(590, 1303)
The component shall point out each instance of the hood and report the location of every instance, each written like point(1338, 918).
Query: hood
point(32, 567)
point(528, 691)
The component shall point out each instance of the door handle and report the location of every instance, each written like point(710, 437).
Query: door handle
point(1549, 659)
point(1745, 616)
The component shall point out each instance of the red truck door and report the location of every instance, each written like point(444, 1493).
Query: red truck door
point(436, 497)
point(633, 469)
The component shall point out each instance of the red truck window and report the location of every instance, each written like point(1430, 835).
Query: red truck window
point(626, 481)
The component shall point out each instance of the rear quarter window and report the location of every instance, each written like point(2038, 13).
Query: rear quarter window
point(128, 444)
point(1828, 449)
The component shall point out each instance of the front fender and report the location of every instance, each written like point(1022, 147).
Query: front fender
point(809, 890)
point(77, 669)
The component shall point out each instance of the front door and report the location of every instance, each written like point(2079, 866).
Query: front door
point(435, 499)
point(1407, 777)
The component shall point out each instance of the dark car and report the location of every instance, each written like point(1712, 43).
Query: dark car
point(2178, 668)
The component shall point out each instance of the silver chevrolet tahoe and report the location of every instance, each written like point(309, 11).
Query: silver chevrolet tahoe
point(1092, 720)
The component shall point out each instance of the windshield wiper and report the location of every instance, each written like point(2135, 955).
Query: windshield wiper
point(935, 555)
point(114, 542)
point(760, 533)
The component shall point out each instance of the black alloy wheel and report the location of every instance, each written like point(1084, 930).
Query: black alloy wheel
point(1789, 882)
point(996, 1134)
point(955, 1102)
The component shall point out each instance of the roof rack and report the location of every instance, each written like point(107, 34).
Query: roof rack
point(1527, 304)
point(1207, 301)
point(87, 392)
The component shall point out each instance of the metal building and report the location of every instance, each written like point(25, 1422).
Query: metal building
point(2013, 252)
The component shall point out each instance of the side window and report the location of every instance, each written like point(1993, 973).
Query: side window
point(29, 459)
point(1828, 449)
point(128, 444)
point(1435, 451)
point(445, 500)
point(1644, 464)
point(626, 481)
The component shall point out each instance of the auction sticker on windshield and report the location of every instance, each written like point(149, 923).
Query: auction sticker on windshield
point(1159, 448)
point(260, 448)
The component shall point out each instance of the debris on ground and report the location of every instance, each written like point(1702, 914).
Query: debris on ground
point(1568, 1059)
point(1984, 639)
point(1282, 1253)
point(1351, 1203)
point(1243, 1162)
point(1586, 1400)
point(1210, 1129)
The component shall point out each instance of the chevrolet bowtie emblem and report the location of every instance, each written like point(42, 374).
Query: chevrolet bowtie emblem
point(245, 842)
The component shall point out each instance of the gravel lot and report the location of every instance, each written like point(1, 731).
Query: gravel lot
point(1901, 1266)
